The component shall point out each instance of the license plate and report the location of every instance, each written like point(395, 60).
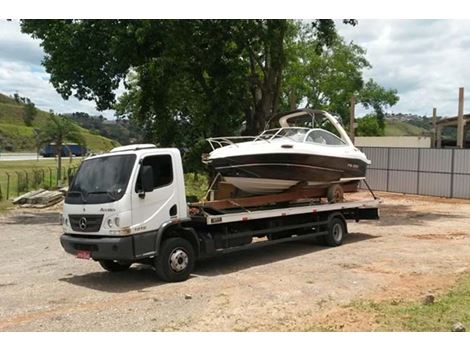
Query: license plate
point(83, 254)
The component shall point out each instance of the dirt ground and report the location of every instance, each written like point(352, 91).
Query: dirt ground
point(420, 246)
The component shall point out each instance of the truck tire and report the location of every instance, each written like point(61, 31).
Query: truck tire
point(336, 232)
point(113, 266)
point(176, 259)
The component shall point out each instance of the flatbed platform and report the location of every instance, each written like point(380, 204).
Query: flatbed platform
point(246, 215)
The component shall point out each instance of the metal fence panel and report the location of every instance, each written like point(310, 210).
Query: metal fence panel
point(436, 172)
point(462, 161)
point(461, 186)
point(377, 156)
point(404, 159)
point(435, 184)
point(435, 160)
point(403, 182)
point(377, 179)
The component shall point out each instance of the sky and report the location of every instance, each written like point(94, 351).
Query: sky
point(425, 60)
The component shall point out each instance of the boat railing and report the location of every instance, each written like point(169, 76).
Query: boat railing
point(267, 136)
point(218, 142)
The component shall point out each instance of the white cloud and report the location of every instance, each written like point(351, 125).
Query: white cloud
point(425, 60)
point(21, 72)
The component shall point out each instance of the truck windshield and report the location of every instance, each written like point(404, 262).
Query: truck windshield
point(101, 180)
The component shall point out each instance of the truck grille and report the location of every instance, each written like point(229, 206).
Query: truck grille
point(86, 223)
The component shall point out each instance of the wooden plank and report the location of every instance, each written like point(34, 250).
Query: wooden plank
point(247, 202)
point(24, 197)
point(45, 197)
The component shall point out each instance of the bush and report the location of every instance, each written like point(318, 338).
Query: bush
point(369, 126)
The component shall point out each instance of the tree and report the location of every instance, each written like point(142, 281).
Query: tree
point(376, 97)
point(369, 126)
point(59, 130)
point(211, 62)
point(329, 79)
point(325, 80)
point(29, 113)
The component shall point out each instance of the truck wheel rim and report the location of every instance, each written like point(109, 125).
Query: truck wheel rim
point(178, 260)
point(337, 232)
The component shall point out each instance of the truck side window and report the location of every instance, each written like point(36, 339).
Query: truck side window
point(162, 171)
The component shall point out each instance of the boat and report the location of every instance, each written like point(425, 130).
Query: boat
point(310, 147)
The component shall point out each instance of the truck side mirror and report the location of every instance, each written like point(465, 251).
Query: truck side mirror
point(147, 178)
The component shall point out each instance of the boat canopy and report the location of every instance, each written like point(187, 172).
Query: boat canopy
point(302, 135)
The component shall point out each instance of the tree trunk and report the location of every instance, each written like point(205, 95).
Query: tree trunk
point(266, 90)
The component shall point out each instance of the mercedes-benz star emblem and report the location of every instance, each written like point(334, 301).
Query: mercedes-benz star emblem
point(82, 223)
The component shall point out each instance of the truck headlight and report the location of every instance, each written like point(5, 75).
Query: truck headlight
point(117, 221)
point(110, 222)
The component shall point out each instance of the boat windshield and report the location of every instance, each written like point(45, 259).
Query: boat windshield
point(292, 133)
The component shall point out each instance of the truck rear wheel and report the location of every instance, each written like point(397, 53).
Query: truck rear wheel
point(336, 232)
point(113, 266)
point(176, 259)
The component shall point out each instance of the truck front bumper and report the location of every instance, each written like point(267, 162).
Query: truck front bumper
point(128, 248)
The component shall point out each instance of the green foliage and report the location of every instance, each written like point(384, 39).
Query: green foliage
point(232, 67)
point(415, 316)
point(369, 126)
point(29, 113)
point(376, 97)
point(326, 80)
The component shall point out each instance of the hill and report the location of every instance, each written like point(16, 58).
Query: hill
point(16, 136)
point(123, 131)
point(401, 128)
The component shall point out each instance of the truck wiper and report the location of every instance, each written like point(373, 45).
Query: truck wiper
point(81, 195)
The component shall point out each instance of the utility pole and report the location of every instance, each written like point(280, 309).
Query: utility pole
point(434, 130)
point(460, 121)
point(352, 119)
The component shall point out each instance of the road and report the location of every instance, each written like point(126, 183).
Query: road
point(420, 245)
point(18, 156)
point(22, 156)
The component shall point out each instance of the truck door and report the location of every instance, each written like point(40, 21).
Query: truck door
point(151, 209)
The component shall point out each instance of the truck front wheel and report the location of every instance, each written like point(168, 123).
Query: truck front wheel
point(113, 266)
point(176, 259)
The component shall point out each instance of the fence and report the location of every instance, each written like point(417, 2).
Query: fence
point(15, 183)
point(434, 172)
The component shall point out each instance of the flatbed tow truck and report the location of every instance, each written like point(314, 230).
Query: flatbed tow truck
point(129, 206)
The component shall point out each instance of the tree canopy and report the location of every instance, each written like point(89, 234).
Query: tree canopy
point(186, 80)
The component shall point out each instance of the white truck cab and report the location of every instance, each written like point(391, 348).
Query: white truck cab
point(118, 202)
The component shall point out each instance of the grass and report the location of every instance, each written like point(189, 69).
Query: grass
point(401, 128)
point(39, 176)
point(449, 308)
